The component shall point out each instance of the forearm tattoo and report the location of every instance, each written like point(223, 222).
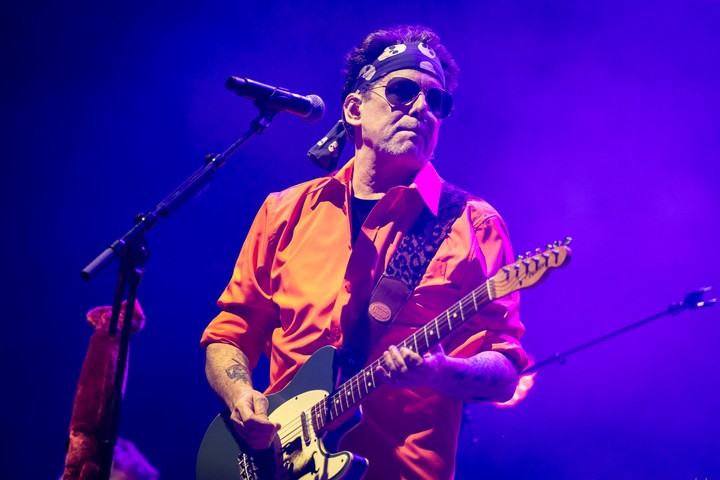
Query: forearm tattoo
point(484, 372)
point(238, 371)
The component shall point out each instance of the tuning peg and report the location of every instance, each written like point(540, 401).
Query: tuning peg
point(518, 258)
point(568, 240)
point(528, 254)
point(546, 256)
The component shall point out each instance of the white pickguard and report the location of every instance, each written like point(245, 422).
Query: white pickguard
point(310, 456)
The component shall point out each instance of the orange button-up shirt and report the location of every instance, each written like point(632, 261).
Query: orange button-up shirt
point(300, 284)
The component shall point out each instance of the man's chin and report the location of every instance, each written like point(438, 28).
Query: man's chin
point(411, 159)
point(412, 147)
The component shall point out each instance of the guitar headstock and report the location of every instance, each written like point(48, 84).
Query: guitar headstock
point(530, 268)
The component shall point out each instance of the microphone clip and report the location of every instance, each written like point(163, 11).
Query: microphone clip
point(693, 301)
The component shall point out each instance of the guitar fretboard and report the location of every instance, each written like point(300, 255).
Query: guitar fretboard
point(357, 388)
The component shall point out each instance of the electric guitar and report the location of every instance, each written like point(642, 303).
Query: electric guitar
point(310, 404)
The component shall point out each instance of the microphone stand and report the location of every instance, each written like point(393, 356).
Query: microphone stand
point(132, 249)
point(692, 301)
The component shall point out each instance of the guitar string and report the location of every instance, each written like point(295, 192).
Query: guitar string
point(294, 428)
point(320, 411)
point(345, 395)
point(441, 325)
point(355, 384)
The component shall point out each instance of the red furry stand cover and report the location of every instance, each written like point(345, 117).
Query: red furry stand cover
point(94, 392)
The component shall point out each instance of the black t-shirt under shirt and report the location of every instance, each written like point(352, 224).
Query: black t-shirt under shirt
point(360, 209)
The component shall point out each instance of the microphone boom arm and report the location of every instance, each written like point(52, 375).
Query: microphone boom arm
point(692, 301)
point(201, 177)
point(132, 249)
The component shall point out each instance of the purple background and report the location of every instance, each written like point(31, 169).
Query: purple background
point(597, 120)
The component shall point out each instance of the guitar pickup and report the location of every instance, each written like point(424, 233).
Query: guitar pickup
point(305, 428)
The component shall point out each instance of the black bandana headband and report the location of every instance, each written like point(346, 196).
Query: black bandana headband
point(416, 56)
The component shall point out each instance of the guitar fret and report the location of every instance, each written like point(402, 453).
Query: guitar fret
point(315, 417)
point(352, 392)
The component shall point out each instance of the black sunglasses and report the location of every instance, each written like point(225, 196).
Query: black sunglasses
point(402, 91)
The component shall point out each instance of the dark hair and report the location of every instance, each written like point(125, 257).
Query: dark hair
point(374, 44)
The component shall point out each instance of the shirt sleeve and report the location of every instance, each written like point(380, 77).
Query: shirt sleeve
point(248, 314)
point(497, 326)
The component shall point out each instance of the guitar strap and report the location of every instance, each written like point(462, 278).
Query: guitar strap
point(402, 274)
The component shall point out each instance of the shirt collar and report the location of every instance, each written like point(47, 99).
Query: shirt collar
point(427, 182)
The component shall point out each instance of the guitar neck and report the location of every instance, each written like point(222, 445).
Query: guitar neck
point(527, 271)
point(356, 389)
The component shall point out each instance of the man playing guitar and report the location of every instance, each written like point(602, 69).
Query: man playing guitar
point(315, 253)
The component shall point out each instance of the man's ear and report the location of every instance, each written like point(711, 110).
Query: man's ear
point(351, 109)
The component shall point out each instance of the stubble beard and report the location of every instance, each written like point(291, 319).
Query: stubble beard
point(406, 148)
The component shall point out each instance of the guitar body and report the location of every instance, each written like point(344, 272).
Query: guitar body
point(297, 452)
point(313, 402)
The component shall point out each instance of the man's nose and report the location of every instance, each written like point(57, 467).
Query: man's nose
point(420, 105)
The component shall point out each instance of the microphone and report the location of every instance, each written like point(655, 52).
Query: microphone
point(311, 107)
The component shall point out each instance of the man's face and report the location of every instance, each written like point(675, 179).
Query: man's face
point(404, 134)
